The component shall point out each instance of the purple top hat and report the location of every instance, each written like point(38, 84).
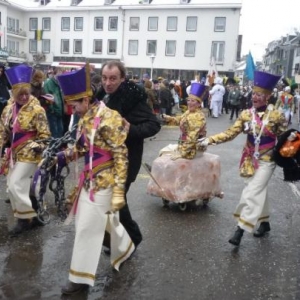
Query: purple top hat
point(264, 82)
point(197, 91)
point(19, 76)
point(76, 85)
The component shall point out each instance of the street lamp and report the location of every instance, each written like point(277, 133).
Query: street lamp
point(152, 57)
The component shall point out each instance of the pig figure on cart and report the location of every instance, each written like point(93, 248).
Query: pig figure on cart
point(183, 174)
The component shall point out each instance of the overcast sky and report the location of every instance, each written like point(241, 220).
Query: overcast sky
point(263, 21)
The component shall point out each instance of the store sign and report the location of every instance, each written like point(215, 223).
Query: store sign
point(3, 53)
point(297, 79)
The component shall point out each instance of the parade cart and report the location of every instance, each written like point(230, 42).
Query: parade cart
point(185, 181)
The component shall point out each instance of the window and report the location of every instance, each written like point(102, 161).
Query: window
point(152, 23)
point(98, 46)
point(113, 23)
point(189, 48)
point(46, 23)
point(65, 46)
point(298, 51)
point(32, 46)
point(65, 24)
point(33, 24)
point(220, 24)
point(112, 47)
point(172, 24)
point(12, 47)
point(134, 23)
point(13, 25)
point(191, 24)
point(77, 46)
point(46, 46)
point(170, 48)
point(151, 47)
point(78, 24)
point(217, 52)
point(133, 47)
point(98, 23)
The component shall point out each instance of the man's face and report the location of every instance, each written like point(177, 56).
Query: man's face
point(111, 79)
point(259, 99)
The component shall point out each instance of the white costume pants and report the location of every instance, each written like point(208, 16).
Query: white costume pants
point(254, 204)
point(216, 107)
point(18, 181)
point(91, 220)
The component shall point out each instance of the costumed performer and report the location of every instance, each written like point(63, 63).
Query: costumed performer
point(23, 122)
point(192, 125)
point(262, 124)
point(286, 104)
point(100, 139)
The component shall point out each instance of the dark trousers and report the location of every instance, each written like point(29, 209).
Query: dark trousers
point(129, 224)
point(234, 108)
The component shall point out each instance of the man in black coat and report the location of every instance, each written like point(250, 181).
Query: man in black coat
point(130, 101)
point(4, 87)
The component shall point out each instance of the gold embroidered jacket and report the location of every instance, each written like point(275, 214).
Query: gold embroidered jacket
point(275, 126)
point(110, 136)
point(31, 119)
point(192, 126)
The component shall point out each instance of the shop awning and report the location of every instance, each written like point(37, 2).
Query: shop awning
point(77, 65)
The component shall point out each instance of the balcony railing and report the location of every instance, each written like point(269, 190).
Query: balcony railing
point(19, 32)
point(18, 54)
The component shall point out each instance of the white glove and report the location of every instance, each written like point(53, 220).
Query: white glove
point(292, 136)
point(203, 142)
point(291, 114)
point(246, 126)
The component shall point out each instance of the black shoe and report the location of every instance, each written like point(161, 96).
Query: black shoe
point(7, 200)
point(237, 237)
point(264, 227)
point(21, 226)
point(36, 222)
point(73, 288)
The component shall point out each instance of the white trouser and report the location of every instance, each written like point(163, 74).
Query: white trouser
point(18, 182)
point(216, 107)
point(91, 221)
point(253, 207)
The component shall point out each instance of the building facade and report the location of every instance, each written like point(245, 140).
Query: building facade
point(169, 38)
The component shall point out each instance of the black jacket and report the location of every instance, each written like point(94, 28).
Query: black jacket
point(130, 101)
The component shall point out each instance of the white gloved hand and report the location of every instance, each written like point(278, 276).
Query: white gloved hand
point(292, 136)
point(246, 126)
point(175, 156)
point(203, 142)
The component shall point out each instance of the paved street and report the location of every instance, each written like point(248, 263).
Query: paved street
point(184, 255)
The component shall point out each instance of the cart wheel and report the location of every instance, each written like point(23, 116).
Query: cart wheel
point(182, 206)
point(205, 201)
point(165, 202)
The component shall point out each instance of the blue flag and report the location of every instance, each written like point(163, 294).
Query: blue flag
point(250, 67)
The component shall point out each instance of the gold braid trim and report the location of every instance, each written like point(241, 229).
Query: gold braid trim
point(195, 98)
point(82, 274)
point(261, 90)
point(78, 96)
point(17, 86)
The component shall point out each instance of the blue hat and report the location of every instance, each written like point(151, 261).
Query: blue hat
point(146, 76)
point(19, 76)
point(197, 91)
point(264, 82)
point(77, 84)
